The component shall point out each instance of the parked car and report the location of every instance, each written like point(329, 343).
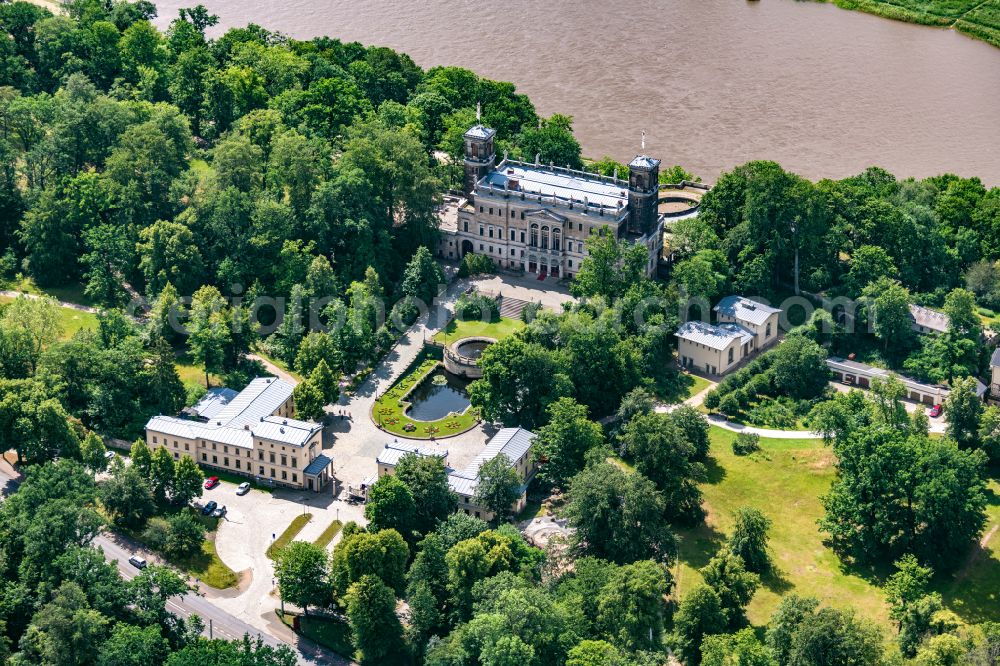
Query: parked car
point(936, 411)
point(220, 512)
point(243, 488)
point(209, 508)
point(211, 482)
point(137, 562)
point(108, 455)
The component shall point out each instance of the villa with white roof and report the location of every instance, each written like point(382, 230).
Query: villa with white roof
point(514, 443)
point(744, 328)
point(536, 218)
point(251, 433)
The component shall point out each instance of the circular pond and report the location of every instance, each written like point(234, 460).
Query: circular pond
point(462, 357)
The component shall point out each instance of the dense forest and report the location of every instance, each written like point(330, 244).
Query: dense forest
point(177, 177)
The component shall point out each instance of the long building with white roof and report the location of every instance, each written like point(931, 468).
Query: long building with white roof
point(251, 433)
point(513, 443)
point(536, 218)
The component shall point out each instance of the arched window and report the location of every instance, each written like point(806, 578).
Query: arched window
point(555, 239)
point(545, 238)
point(534, 235)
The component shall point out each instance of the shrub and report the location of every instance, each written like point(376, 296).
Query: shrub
point(746, 443)
point(772, 413)
point(475, 306)
point(530, 312)
point(712, 400)
point(186, 535)
point(475, 264)
point(729, 405)
point(156, 534)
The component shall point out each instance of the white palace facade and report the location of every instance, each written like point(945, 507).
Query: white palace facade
point(536, 218)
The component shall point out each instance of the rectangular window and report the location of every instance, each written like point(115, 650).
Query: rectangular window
point(204, 457)
point(225, 449)
point(272, 458)
point(480, 230)
point(176, 456)
point(465, 226)
point(522, 236)
point(225, 461)
point(480, 247)
point(154, 439)
point(284, 475)
point(237, 464)
point(491, 211)
point(491, 232)
point(295, 478)
point(187, 446)
point(215, 460)
point(512, 234)
point(272, 472)
point(522, 214)
point(261, 470)
point(295, 463)
point(284, 461)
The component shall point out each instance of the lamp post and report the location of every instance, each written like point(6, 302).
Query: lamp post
point(795, 242)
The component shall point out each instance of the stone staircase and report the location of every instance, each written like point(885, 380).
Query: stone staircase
point(511, 307)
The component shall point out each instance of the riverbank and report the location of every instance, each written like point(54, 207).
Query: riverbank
point(979, 19)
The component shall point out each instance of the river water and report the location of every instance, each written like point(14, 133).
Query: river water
point(713, 83)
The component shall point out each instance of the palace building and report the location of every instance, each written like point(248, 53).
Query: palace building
point(250, 433)
point(535, 218)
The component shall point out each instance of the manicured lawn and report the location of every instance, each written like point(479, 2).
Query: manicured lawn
point(696, 386)
point(456, 330)
point(785, 481)
point(329, 633)
point(70, 320)
point(206, 565)
point(324, 539)
point(289, 534)
point(389, 410)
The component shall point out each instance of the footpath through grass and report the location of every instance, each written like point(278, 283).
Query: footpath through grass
point(785, 480)
point(288, 535)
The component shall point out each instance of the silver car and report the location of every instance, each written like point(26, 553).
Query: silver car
point(243, 488)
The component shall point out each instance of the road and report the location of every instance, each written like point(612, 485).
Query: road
point(220, 623)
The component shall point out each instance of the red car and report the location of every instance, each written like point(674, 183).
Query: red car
point(936, 411)
point(211, 482)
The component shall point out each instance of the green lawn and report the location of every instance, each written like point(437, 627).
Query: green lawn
point(289, 534)
point(389, 411)
point(697, 385)
point(456, 330)
point(206, 566)
point(70, 320)
point(70, 293)
point(326, 632)
point(785, 481)
point(324, 539)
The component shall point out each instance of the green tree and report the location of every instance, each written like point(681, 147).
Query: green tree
point(740, 649)
point(422, 277)
point(107, 260)
point(520, 380)
point(836, 638)
point(187, 481)
point(498, 486)
point(610, 267)
point(869, 263)
point(141, 457)
point(551, 141)
point(36, 318)
point(889, 312)
point(383, 554)
point(963, 410)
point(301, 570)
point(129, 645)
point(209, 330)
point(186, 535)
point(309, 400)
point(371, 610)
point(792, 612)
point(618, 515)
point(749, 539)
point(390, 505)
point(126, 497)
point(700, 614)
point(66, 631)
point(595, 653)
point(660, 450)
point(630, 606)
point(161, 474)
point(92, 452)
point(433, 498)
point(727, 575)
point(963, 315)
point(799, 367)
point(169, 253)
point(565, 440)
